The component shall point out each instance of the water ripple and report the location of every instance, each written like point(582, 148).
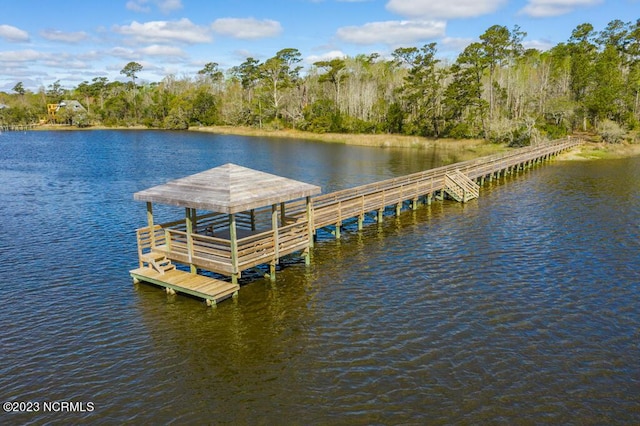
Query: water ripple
point(519, 306)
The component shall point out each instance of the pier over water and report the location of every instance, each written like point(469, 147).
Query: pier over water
point(238, 219)
point(16, 127)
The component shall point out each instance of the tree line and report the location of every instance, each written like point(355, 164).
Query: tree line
point(495, 89)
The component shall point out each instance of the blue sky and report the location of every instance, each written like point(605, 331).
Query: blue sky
point(74, 40)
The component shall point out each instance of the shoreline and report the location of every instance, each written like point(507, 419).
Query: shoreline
point(591, 151)
point(478, 147)
point(469, 148)
point(377, 140)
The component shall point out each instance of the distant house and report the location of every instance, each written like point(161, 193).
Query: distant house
point(72, 106)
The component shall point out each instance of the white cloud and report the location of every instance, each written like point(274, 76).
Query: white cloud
point(541, 45)
point(20, 56)
point(123, 52)
point(57, 35)
point(138, 6)
point(13, 34)
point(165, 6)
point(159, 50)
point(91, 55)
point(548, 8)
point(244, 54)
point(392, 32)
point(325, 56)
point(66, 63)
point(247, 28)
point(455, 43)
point(156, 50)
point(435, 9)
point(182, 31)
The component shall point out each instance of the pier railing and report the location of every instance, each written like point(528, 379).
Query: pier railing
point(335, 207)
point(216, 254)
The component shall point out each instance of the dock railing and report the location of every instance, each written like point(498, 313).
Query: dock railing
point(215, 254)
point(335, 207)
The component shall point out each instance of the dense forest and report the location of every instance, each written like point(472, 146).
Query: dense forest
point(495, 90)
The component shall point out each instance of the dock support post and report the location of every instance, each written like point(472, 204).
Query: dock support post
point(150, 223)
point(282, 215)
point(380, 215)
point(233, 236)
point(429, 199)
point(194, 225)
point(189, 215)
point(398, 208)
point(360, 222)
point(310, 226)
point(274, 226)
point(272, 271)
point(414, 204)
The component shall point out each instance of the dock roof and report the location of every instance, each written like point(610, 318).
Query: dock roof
point(227, 189)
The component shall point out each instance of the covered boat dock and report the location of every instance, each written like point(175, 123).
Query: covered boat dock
point(234, 219)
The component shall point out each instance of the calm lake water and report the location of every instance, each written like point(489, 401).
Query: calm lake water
point(520, 307)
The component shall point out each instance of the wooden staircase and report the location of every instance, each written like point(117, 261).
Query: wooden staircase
point(460, 187)
point(158, 261)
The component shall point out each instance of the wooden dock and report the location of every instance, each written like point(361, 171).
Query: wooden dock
point(237, 233)
point(459, 181)
point(209, 289)
point(16, 127)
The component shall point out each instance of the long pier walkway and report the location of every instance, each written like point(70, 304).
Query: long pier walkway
point(459, 181)
point(253, 218)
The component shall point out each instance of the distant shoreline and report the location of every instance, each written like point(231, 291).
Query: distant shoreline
point(472, 148)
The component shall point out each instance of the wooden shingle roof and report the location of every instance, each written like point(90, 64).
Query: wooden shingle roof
point(227, 189)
